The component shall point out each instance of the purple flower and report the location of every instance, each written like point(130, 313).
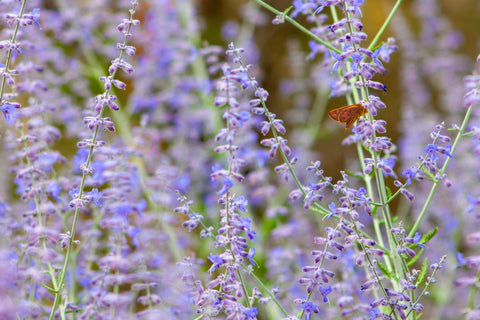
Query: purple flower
point(300, 6)
point(95, 197)
point(251, 313)
point(355, 6)
point(460, 260)
point(309, 308)
point(80, 158)
point(331, 206)
point(98, 168)
point(246, 226)
point(227, 183)
point(415, 240)
point(34, 15)
point(241, 202)
point(325, 292)
point(10, 113)
point(74, 193)
point(473, 201)
point(431, 149)
point(53, 190)
point(410, 175)
point(338, 60)
point(251, 254)
point(217, 262)
point(133, 233)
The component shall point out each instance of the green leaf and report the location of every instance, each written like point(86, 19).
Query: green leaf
point(74, 311)
point(378, 46)
point(287, 11)
point(389, 193)
point(428, 236)
point(425, 238)
point(384, 269)
point(350, 173)
point(374, 212)
point(50, 289)
point(423, 272)
point(429, 175)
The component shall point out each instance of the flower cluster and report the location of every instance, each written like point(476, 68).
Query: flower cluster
point(226, 293)
point(13, 48)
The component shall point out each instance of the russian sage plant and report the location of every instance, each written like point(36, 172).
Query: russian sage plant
point(149, 174)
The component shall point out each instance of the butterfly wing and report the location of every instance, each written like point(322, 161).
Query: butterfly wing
point(348, 114)
point(351, 121)
point(335, 113)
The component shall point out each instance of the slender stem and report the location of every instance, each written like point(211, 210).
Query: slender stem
point(317, 207)
point(369, 186)
point(270, 294)
point(427, 285)
point(314, 124)
point(121, 119)
point(299, 26)
point(244, 288)
point(373, 268)
point(61, 280)
point(442, 172)
point(471, 295)
point(9, 53)
point(385, 25)
point(379, 179)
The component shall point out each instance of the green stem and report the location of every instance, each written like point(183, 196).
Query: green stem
point(298, 26)
point(265, 289)
point(9, 54)
point(314, 124)
point(368, 184)
point(385, 25)
point(442, 172)
point(387, 218)
point(374, 270)
point(427, 285)
point(380, 183)
point(471, 295)
point(63, 272)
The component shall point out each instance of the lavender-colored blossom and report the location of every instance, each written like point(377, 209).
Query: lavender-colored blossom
point(309, 308)
point(10, 113)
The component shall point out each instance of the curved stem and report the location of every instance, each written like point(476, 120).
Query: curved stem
point(270, 294)
point(385, 25)
point(9, 53)
point(442, 172)
point(63, 272)
point(298, 26)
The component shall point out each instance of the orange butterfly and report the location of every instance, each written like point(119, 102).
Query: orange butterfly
point(348, 114)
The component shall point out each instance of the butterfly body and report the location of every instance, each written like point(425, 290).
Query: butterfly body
point(348, 114)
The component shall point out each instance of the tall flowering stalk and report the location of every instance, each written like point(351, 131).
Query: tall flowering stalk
point(30, 141)
point(82, 198)
point(228, 292)
point(13, 48)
